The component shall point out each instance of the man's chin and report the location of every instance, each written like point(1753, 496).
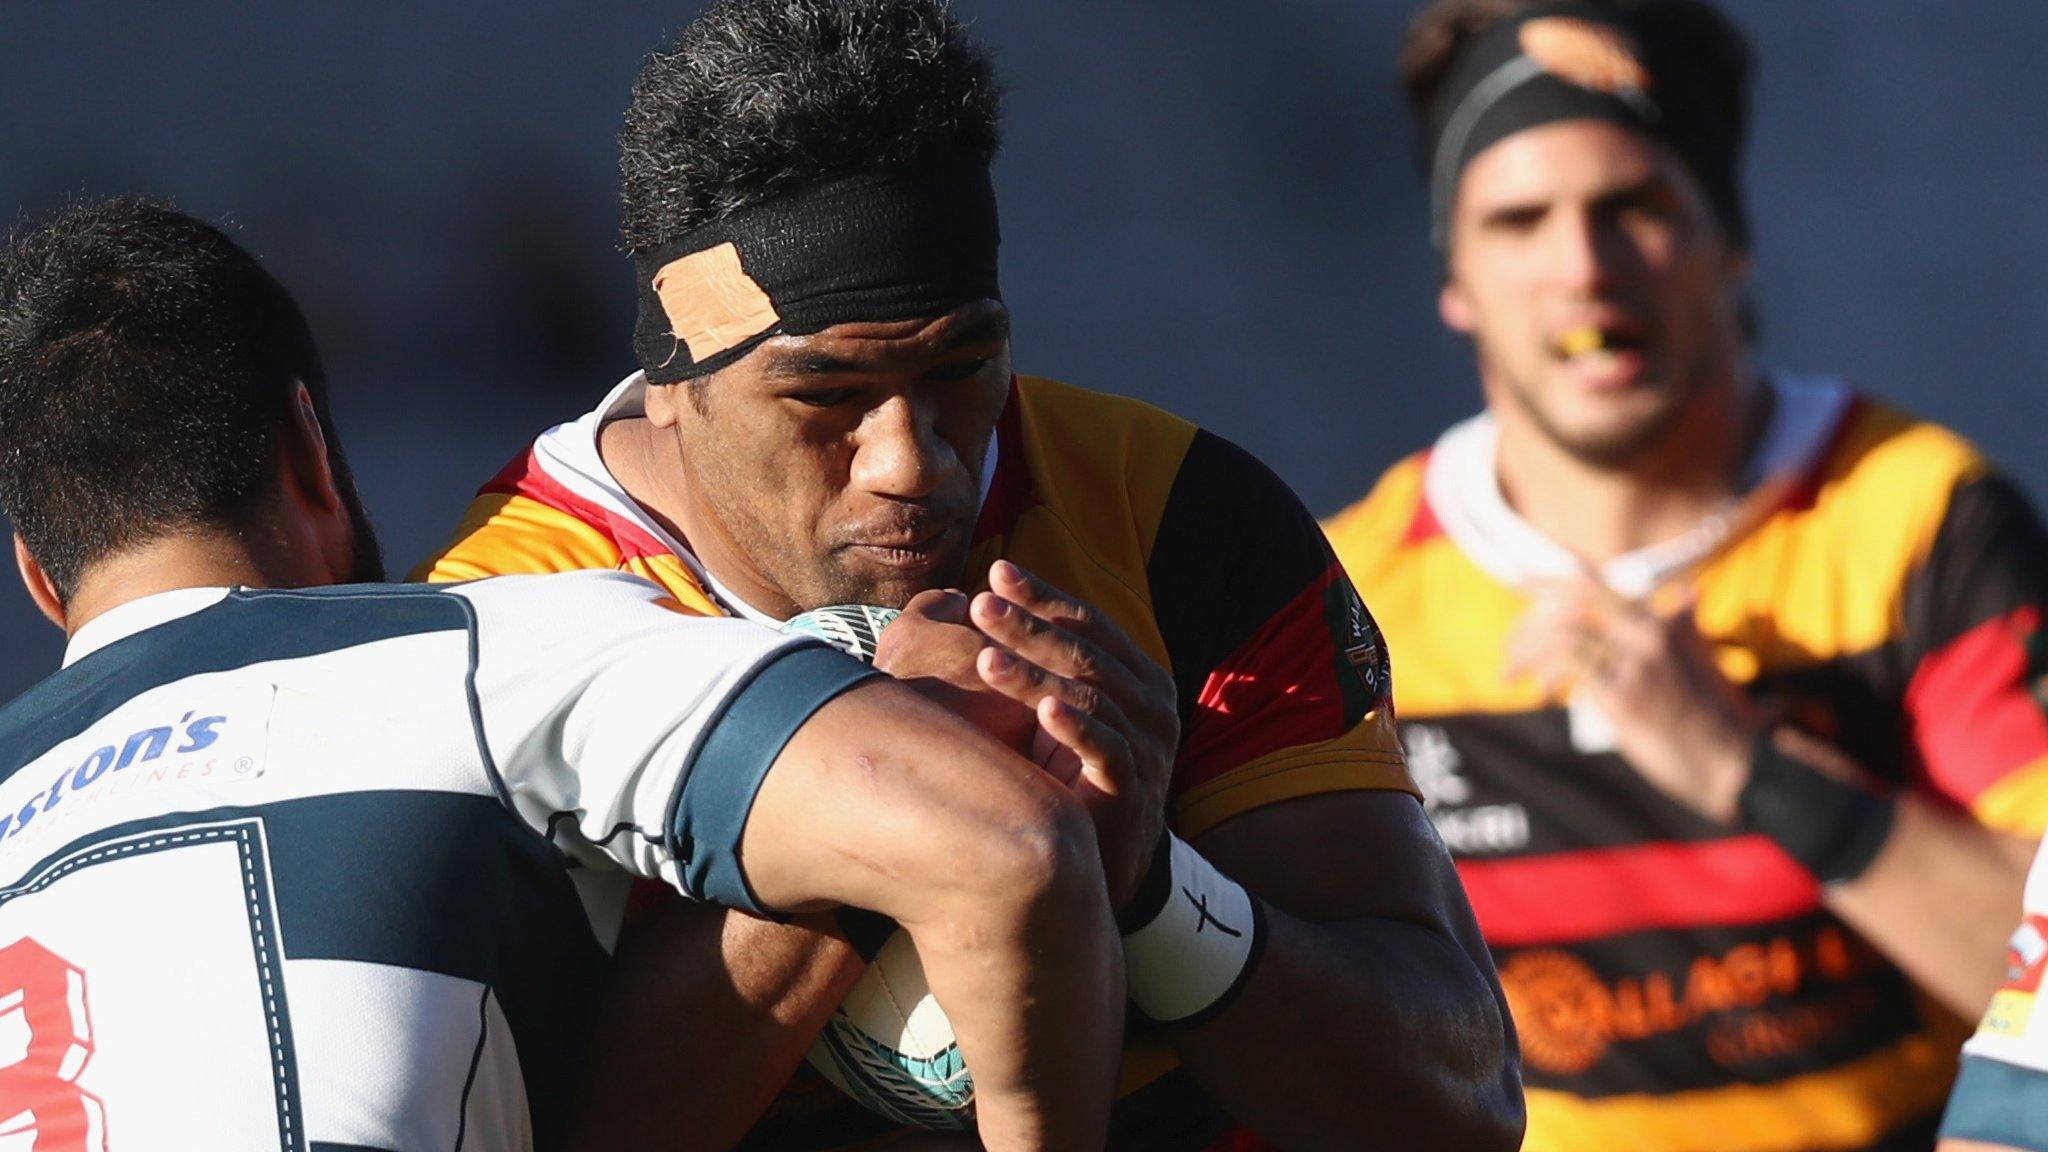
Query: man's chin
point(1623, 432)
point(896, 583)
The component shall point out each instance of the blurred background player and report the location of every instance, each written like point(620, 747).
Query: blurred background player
point(1717, 679)
point(2001, 1098)
point(826, 412)
point(357, 840)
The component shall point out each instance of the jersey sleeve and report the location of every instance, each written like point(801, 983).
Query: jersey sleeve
point(1975, 705)
point(1284, 680)
point(627, 731)
point(2001, 1096)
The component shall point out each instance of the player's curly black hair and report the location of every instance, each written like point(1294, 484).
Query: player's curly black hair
point(761, 97)
point(147, 364)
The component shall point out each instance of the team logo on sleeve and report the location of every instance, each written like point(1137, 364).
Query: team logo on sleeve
point(2026, 958)
point(1363, 649)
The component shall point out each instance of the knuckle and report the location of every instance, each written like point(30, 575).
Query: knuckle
point(1085, 698)
point(1085, 662)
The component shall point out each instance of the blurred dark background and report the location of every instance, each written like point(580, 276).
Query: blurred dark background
point(1206, 203)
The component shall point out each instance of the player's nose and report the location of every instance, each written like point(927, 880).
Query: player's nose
point(900, 452)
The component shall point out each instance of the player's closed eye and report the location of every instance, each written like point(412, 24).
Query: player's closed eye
point(963, 370)
point(825, 397)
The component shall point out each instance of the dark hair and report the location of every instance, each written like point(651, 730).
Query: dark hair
point(1442, 28)
point(146, 368)
point(761, 97)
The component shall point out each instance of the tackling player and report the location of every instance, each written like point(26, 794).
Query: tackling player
point(335, 868)
point(1716, 677)
point(826, 412)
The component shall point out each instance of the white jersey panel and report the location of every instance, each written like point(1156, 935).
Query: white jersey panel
point(341, 865)
point(368, 1088)
point(391, 714)
point(167, 993)
point(594, 699)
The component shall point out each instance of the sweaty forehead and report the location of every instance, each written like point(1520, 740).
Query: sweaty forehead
point(886, 345)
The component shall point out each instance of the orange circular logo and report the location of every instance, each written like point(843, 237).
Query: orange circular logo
point(1562, 1011)
point(1584, 53)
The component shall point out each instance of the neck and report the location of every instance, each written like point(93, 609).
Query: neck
point(628, 449)
point(1598, 512)
point(200, 559)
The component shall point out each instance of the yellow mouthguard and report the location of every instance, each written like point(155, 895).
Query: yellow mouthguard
point(1580, 340)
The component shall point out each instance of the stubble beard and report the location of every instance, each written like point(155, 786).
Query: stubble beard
point(1611, 449)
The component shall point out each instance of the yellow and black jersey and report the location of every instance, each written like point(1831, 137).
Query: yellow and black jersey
point(1678, 986)
point(1198, 551)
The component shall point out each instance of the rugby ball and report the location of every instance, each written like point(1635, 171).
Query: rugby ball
point(889, 1045)
point(852, 628)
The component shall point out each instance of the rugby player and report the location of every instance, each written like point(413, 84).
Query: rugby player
point(2000, 1103)
point(826, 412)
point(1716, 677)
point(336, 868)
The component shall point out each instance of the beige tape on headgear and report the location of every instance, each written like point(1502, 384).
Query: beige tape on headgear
point(1581, 52)
point(711, 302)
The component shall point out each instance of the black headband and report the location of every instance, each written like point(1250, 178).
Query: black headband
point(890, 245)
point(1573, 62)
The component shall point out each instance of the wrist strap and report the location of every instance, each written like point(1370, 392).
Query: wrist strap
point(1831, 826)
point(1186, 963)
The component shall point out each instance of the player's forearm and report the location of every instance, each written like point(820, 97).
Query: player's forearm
point(1031, 975)
point(1365, 1034)
point(884, 802)
point(1939, 900)
point(655, 1083)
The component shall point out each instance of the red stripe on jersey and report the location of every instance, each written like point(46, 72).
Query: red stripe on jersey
point(1009, 492)
point(1566, 897)
point(525, 477)
point(1424, 526)
point(1802, 496)
point(1277, 690)
point(1971, 706)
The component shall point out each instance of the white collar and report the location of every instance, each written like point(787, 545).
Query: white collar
point(568, 453)
point(1462, 486)
point(129, 617)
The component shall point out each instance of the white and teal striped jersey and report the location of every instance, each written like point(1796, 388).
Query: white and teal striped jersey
point(338, 869)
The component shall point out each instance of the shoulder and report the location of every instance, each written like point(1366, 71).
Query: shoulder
point(1086, 452)
point(558, 600)
point(1869, 512)
point(1098, 417)
point(523, 520)
point(1886, 459)
point(1393, 512)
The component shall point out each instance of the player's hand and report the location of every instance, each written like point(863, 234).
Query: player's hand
point(932, 648)
point(1676, 719)
point(1106, 711)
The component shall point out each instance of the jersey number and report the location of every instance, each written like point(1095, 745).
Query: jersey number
point(40, 1091)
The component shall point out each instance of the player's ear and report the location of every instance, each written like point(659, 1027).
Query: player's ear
point(663, 404)
point(1454, 307)
point(306, 466)
point(41, 588)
